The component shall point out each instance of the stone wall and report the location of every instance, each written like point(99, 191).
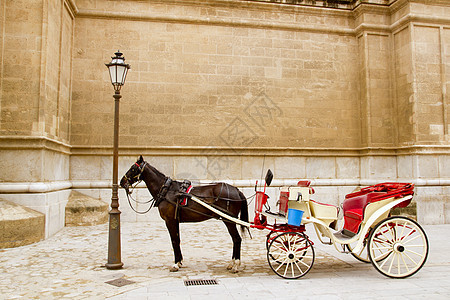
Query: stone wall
point(346, 93)
point(36, 82)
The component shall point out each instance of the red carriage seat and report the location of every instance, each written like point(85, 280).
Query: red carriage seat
point(306, 183)
point(354, 210)
point(284, 196)
point(356, 203)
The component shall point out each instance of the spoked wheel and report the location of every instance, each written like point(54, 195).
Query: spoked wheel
point(290, 255)
point(362, 255)
point(269, 239)
point(398, 247)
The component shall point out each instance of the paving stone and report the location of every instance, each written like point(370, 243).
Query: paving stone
point(70, 265)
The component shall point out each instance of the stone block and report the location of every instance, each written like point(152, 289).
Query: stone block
point(444, 166)
point(405, 167)
point(256, 167)
point(290, 168)
point(30, 162)
point(326, 194)
point(430, 204)
point(428, 166)
point(222, 167)
point(383, 168)
point(347, 167)
point(84, 167)
point(82, 210)
point(192, 168)
point(50, 204)
point(320, 167)
point(19, 225)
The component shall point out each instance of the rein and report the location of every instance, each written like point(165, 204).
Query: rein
point(151, 201)
point(138, 176)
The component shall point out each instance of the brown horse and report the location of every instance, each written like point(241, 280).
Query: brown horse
point(167, 194)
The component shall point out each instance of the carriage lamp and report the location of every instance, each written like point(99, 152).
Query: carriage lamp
point(118, 70)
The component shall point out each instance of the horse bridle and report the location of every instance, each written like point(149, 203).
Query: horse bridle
point(137, 176)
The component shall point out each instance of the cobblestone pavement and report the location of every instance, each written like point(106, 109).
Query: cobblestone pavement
point(70, 265)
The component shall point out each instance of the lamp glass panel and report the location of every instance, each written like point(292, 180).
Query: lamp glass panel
point(113, 74)
point(125, 72)
point(121, 72)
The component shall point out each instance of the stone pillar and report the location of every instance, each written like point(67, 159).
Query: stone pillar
point(35, 105)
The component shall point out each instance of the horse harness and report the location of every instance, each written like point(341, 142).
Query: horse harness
point(163, 191)
point(183, 193)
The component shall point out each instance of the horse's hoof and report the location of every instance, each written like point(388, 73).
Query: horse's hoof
point(174, 268)
point(231, 265)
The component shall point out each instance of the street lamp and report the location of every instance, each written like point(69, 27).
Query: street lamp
point(118, 70)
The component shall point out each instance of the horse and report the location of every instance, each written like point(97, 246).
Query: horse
point(167, 194)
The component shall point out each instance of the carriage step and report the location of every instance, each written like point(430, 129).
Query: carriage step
point(343, 235)
point(192, 282)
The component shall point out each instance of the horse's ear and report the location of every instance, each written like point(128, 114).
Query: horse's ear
point(141, 159)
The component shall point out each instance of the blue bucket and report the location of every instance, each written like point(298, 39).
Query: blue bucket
point(295, 216)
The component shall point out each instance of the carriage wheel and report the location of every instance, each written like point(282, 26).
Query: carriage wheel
point(269, 239)
point(362, 255)
point(398, 247)
point(290, 255)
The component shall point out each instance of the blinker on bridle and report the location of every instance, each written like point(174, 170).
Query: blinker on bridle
point(136, 177)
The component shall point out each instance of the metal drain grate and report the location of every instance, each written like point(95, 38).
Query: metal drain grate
point(192, 282)
point(120, 282)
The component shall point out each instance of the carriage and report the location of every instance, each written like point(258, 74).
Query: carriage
point(397, 246)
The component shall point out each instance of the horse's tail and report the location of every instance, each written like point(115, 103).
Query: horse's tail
point(244, 210)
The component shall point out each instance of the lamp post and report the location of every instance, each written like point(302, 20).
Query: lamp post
point(118, 70)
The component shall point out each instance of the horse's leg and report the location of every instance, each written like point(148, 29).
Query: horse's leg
point(236, 258)
point(174, 230)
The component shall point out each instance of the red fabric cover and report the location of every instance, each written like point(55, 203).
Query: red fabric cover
point(260, 200)
point(356, 214)
point(351, 224)
point(355, 203)
point(354, 210)
point(185, 199)
point(386, 190)
point(306, 183)
point(283, 203)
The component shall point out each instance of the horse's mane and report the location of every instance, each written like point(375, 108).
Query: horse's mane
point(159, 173)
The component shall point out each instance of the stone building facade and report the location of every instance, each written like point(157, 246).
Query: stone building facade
point(344, 92)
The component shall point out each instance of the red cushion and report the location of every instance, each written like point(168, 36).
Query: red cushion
point(352, 224)
point(356, 213)
point(304, 183)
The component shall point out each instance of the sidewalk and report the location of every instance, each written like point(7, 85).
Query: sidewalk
point(69, 265)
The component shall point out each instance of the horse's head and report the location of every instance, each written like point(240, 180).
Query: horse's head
point(133, 174)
